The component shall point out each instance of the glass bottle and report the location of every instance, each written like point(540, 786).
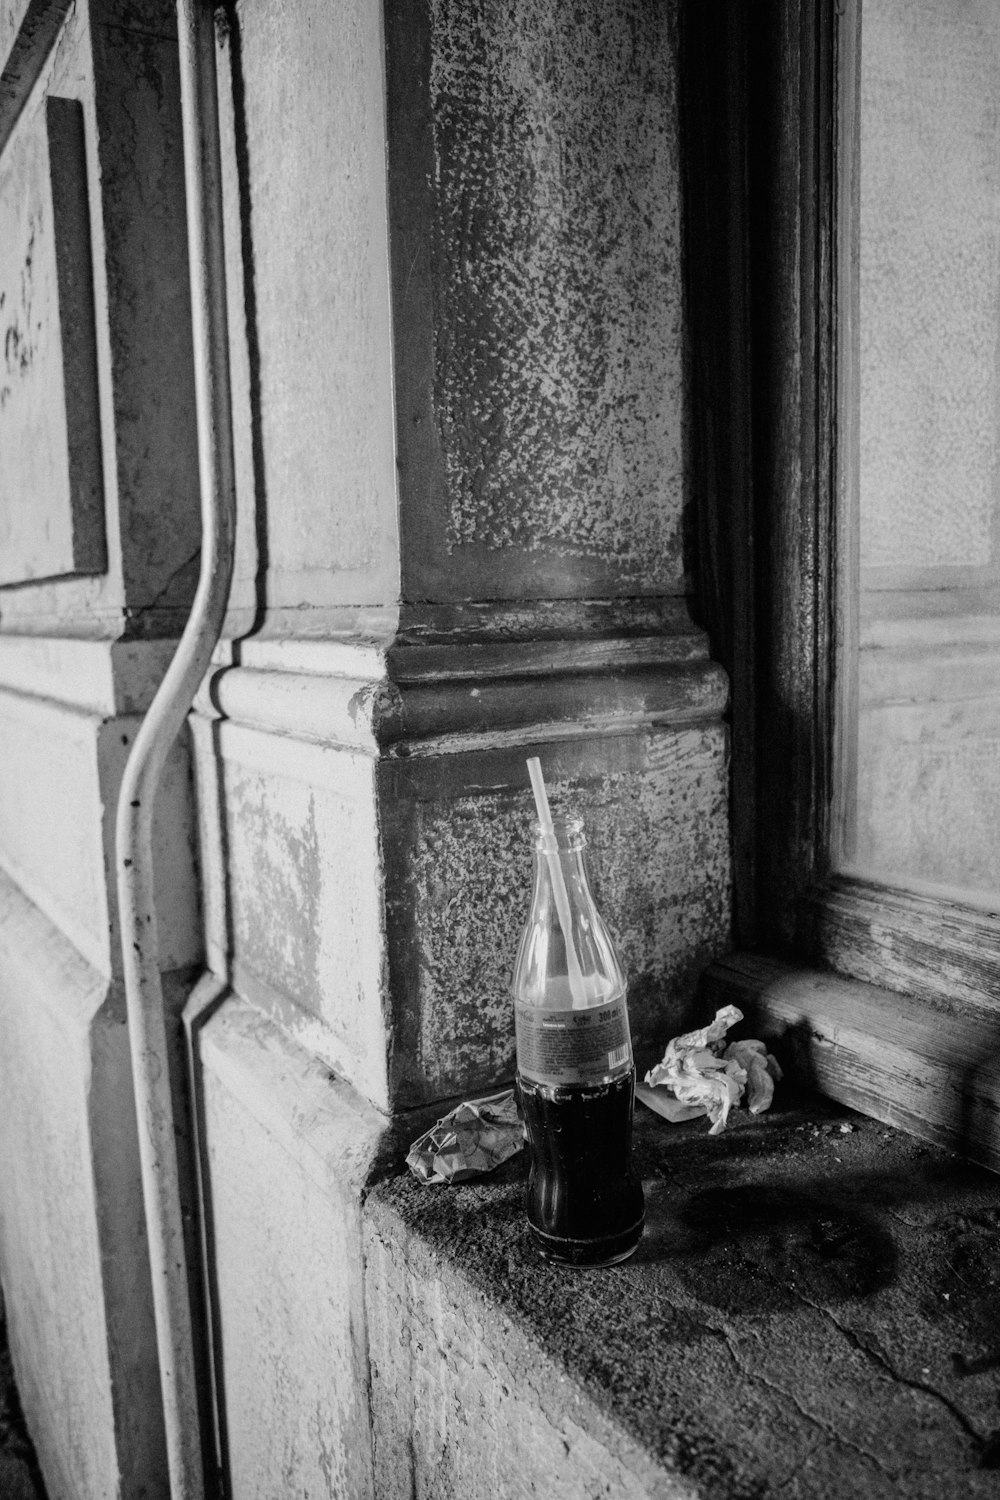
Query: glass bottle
point(575, 1073)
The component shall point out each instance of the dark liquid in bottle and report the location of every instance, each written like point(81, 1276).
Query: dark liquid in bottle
point(584, 1197)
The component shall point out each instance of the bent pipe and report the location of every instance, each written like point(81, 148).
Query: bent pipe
point(159, 729)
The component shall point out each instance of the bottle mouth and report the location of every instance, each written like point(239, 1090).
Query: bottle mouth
point(567, 830)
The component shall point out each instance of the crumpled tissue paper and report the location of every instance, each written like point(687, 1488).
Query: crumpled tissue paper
point(469, 1142)
point(701, 1075)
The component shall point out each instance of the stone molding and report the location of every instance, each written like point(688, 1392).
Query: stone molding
point(366, 843)
point(63, 745)
point(99, 676)
point(431, 699)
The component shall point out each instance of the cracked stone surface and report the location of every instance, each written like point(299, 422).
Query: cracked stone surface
point(814, 1311)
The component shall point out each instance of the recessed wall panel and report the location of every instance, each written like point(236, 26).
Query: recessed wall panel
point(51, 495)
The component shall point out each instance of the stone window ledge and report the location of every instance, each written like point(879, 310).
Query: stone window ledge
point(814, 1311)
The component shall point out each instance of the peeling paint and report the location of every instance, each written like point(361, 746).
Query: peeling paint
point(276, 914)
point(295, 1373)
point(304, 892)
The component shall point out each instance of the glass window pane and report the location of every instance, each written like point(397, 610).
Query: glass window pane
point(923, 743)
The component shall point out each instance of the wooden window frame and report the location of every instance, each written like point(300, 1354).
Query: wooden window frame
point(882, 997)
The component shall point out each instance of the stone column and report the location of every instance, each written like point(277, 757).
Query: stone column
point(454, 258)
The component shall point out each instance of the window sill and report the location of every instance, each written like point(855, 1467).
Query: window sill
point(899, 1058)
point(812, 1311)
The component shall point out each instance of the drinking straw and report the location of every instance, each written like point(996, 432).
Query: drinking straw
point(576, 985)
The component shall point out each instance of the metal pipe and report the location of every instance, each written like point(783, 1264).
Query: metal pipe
point(159, 729)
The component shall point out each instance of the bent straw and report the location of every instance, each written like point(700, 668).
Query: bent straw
point(576, 985)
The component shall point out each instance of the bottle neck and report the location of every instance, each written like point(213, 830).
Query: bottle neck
point(570, 864)
point(566, 958)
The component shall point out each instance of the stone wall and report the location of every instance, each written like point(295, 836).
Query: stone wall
point(454, 284)
point(99, 531)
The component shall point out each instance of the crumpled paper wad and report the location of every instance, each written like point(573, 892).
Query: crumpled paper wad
point(468, 1142)
point(701, 1075)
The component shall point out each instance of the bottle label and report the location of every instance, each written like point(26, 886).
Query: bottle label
point(561, 1047)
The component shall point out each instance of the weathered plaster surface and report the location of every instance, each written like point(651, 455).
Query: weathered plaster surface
point(51, 496)
point(102, 677)
point(555, 281)
point(12, 14)
point(299, 913)
point(582, 474)
point(306, 185)
point(209, 797)
point(462, 1410)
point(47, 842)
point(72, 1249)
point(366, 873)
point(288, 1151)
point(27, 30)
point(458, 844)
point(137, 109)
point(125, 80)
point(58, 795)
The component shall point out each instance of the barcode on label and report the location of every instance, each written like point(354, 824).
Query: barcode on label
point(560, 1046)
